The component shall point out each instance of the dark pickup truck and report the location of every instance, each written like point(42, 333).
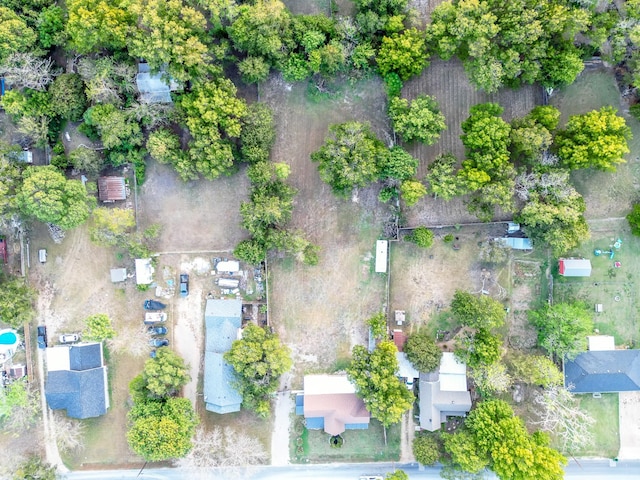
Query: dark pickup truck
point(154, 305)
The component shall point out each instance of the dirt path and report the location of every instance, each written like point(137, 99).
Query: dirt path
point(407, 434)
point(282, 423)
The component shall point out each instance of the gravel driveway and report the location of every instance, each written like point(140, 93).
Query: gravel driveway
point(629, 412)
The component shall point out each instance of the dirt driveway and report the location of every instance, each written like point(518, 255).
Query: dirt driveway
point(629, 412)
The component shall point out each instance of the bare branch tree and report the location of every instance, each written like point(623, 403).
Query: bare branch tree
point(152, 114)
point(24, 414)
point(69, 433)
point(560, 414)
point(26, 70)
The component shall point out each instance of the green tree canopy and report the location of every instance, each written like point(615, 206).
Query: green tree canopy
point(352, 159)
point(34, 468)
point(162, 429)
point(423, 352)
point(421, 236)
point(111, 225)
point(98, 328)
point(374, 375)
point(48, 196)
point(403, 53)
point(213, 113)
point(597, 139)
point(479, 348)
point(535, 370)
point(117, 128)
point(563, 328)
point(16, 302)
point(378, 325)
point(97, 24)
point(259, 359)
point(68, 98)
point(398, 164)
point(15, 35)
point(419, 119)
point(397, 475)
point(464, 452)
point(477, 311)
point(165, 374)
point(442, 179)
point(426, 449)
point(258, 133)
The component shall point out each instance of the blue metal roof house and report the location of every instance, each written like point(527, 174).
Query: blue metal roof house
point(77, 380)
point(223, 319)
point(603, 372)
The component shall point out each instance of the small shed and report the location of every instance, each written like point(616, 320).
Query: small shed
point(600, 343)
point(574, 267)
point(154, 87)
point(118, 275)
point(382, 247)
point(144, 271)
point(111, 189)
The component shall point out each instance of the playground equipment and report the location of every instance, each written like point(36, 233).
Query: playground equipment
point(597, 252)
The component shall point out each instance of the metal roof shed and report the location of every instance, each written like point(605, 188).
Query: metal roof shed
point(118, 275)
point(382, 247)
point(154, 87)
point(516, 243)
point(574, 267)
point(144, 271)
point(111, 189)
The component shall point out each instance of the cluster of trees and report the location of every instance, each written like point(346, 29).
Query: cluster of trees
point(259, 359)
point(161, 423)
point(114, 227)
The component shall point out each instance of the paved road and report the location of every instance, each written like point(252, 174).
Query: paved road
point(592, 469)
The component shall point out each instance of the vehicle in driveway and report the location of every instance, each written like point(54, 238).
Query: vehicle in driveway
point(154, 305)
point(157, 330)
point(184, 284)
point(154, 317)
point(69, 338)
point(159, 342)
point(42, 336)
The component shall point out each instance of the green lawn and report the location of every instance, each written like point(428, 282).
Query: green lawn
point(604, 410)
point(614, 288)
point(359, 445)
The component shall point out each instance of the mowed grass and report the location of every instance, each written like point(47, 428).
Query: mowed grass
point(614, 288)
point(604, 411)
point(359, 445)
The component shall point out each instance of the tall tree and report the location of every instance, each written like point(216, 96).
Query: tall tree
point(563, 328)
point(425, 449)
point(477, 311)
point(259, 359)
point(165, 374)
point(48, 196)
point(15, 35)
point(68, 98)
point(464, 452)
point(597, 139)
point(419, 119)
point(352, 159)
point(97, 24)
point(98, 328)
point(375, 376)
point(535, 370)
point(423, 352)
point(441, 177)
point(258, 133)
point(403, 53)
point(16, 302)
point(213, 113)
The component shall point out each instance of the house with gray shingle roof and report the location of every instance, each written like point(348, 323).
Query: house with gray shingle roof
point(603, 372)
point(77, 380)
point(223, 319)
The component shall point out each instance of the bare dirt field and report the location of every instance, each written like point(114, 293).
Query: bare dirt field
point(320, 311)
point(448, 83)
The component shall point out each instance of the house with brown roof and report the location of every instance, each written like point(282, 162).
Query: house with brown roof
point(330, 402)
point(111, 189)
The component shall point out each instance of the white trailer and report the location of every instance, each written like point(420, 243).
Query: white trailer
point(228, 282)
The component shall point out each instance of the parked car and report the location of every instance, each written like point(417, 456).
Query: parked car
point(151, 318)
point(69, 338)
point(157, 330)
point(42, 336)
point(154, 305)
point(184, 284)
point(153, 354)
point(158, 342)
point(42, 255)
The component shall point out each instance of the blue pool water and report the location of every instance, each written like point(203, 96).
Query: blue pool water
point(8, 338)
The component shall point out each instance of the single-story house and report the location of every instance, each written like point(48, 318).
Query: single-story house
point(598, 343)
point(77, 380)
point(330, 402)
point(382, 247)
point(223, 319)
point(574, 267)
point(443, 393)
point(111, 189)
point(603, 372)
point(516, 243)
point(406, 371)
point(118, 275)
point(154, 87)
point(144, 271)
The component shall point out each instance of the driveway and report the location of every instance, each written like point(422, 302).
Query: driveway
point(629, 425)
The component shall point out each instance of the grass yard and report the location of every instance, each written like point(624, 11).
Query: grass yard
point(312, 446)
point(614, 288)
point(606, 435)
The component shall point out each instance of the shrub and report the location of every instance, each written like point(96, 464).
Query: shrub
point(421, 236)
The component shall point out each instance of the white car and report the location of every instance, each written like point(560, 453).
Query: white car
point(69, 338)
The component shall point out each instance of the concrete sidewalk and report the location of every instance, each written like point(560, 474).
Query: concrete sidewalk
point(629, 411)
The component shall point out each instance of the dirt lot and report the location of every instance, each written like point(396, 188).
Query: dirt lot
point(320, 311)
